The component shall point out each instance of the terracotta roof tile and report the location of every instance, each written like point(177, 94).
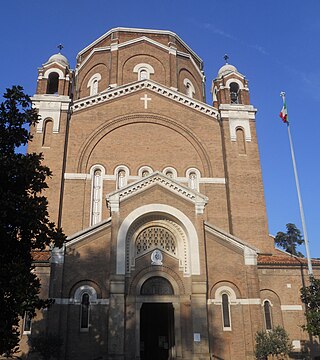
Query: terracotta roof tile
point(284, 259)
point(41, 256)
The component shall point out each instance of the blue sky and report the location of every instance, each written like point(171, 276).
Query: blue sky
point(274, 43)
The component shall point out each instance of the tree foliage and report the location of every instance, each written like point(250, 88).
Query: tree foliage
point(274, 342)
point(310, 296)
point(289, 240)
point(24, 221)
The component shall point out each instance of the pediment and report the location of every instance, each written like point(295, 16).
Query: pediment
point(156, 179)
point(249, 252)
point(121, 91)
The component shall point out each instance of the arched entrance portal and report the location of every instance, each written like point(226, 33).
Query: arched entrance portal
point(157, 340)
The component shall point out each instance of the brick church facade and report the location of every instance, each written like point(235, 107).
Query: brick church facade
point(161, 196)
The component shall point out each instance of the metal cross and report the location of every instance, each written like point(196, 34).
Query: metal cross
point(60, 47)
point(226, 58)
point(145, 99)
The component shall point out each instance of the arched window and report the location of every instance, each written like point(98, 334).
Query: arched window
point(190, 91)
point(225, 312)
point(93, 84)
point(234, 93)
point(241, 141)
point(267, 315)
point(53, 83)
point(96, 197)
point(193, 176)
point(121, 179)
point(47, 133)
point(27, 322)
point(143, 74)
point(85, 312)
point(143, 70)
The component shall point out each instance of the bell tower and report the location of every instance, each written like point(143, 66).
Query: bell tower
point(245, 194)
point(52, 100)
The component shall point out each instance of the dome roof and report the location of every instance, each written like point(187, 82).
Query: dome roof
point(226, 69)
point(59, 58)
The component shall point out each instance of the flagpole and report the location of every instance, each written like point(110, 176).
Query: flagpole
point(304, 228)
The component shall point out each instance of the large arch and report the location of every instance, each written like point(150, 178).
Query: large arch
point(96, 136)
point(177, 215)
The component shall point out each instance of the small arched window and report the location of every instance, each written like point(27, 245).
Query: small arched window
point(93, 84)
point(241, 141)
point(234, 93)
point(225, 312)
point(47, 133)
point(96, 197)
point(85, 312)
point(53, 83)
point(144, 71)
point(121, 179)
point(143, 74)
point(267, 315)
point(190, 91)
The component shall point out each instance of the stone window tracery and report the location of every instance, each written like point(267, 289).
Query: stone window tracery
point(156, 237)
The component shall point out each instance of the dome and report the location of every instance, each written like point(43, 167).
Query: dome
point(59, 58)
point(226, 69)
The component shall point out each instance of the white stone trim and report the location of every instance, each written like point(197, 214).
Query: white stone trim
point(51, 70)
point(234, 80)
point(108, 177)
point(192, 236)
point(252, 301)
point(176, 96)
point(235, 124)
point(57, 255)
point(291, 307)
point(94, 198)
point(193, 196)
point(144, 168)
point(85, 289)
point(173, 170)
point(94, 77)
point(138, 30)
point(125, 179)
point(50, 106)
point(143, 66)
point(77, 176)
point(187, 82)
point(71, 301)
point(207, 180)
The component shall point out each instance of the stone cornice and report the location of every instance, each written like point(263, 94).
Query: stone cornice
point(114, 198)
point(148, 85)
point(145, 31)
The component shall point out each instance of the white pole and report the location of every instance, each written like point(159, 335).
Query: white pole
point(304, 229)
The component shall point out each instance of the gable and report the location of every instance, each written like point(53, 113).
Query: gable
point(157, 179)
point(233, 243)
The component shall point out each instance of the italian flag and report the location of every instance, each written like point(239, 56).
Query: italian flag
point(284, 113)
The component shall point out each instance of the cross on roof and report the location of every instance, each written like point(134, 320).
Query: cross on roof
point(60, 47)
point(226, 58)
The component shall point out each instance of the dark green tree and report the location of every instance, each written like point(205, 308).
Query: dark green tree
point(310, 296)
point(24, 221)
point(289, 240)
point(274, 342)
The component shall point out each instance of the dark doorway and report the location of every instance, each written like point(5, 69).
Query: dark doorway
point(156, 331)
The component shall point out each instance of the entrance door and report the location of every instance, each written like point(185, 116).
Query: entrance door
point(156, 331)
